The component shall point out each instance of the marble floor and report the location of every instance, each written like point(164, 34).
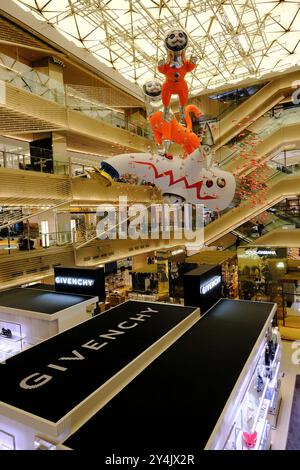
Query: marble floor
point(290, 369)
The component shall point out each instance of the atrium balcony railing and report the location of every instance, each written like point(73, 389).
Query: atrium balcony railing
point(43, 163)
point(32, 81)
point(11, 243)
point(96, 109)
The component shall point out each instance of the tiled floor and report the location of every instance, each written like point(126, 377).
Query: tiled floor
point(290, 370)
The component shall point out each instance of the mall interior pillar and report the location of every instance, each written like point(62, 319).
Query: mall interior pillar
point(60, 159)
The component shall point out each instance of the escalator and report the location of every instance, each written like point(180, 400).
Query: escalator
point(275, 135)
point(250, 110)
point(280, 186)
point(248, 234)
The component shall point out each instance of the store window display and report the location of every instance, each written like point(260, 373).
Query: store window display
point(11, 339)
point(146, 283)
point(259, 270)
point(258, 412)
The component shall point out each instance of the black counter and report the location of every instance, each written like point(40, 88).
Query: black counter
point(79, 370)
point(177, 400)
point(39, 300)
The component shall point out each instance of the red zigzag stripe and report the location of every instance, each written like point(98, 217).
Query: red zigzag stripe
point(197, 185)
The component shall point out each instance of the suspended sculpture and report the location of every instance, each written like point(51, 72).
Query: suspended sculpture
point(194, 178)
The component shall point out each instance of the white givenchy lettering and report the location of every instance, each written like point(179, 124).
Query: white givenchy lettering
point(210, 285)
point(74, 281)
point(37, 379)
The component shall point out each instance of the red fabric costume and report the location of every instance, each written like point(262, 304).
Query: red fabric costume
point(173, 131)
point(175, 83)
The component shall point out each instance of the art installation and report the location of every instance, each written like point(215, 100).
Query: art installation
point(195, 178)
point(166, 131)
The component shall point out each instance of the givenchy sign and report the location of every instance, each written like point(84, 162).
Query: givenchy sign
point(80, 280)
point(204, 288)
point(102, 340)
point(73, 281)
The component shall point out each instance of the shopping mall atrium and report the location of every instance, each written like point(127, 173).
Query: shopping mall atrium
point(149, 226)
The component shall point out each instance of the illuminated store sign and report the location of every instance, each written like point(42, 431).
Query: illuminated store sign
point(210, 284)
point(80, 280)
point(261, 252)
point(73, 281)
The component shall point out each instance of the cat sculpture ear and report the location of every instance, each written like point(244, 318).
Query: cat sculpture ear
point(207, 145)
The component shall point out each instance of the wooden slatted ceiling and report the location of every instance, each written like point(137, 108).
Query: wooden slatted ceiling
point(13, 122)
point(35, 106)
point(102, 95)
point(13, 33)
point(17, 267)
point(26, 188)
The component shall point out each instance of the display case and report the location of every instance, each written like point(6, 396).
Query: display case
point(7, 441)
point(11, 339)
point(258, 411)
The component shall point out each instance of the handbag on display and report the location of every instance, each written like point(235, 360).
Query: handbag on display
point(272, 349)
point(250, 439)
point(269, 373)
point(259, 383)
point(6, 332)
point(267, 355)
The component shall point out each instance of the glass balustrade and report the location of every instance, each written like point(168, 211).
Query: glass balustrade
point(26, 78)
point(11, 244)
point(98, 110)
point(43, 164)
point(34, 82)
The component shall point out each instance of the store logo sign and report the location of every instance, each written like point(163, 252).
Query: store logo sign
point(101, 340)
point(261, 252)
point(204, 288)
point(74, 281)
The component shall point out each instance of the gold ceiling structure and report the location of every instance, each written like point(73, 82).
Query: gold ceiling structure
point(234, 39)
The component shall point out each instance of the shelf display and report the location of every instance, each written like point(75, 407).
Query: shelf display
point(117, 286)
point(11, 340)
point(230, 279)
point(259, 408)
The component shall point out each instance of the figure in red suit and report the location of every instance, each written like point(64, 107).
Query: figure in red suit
point(175, 69)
